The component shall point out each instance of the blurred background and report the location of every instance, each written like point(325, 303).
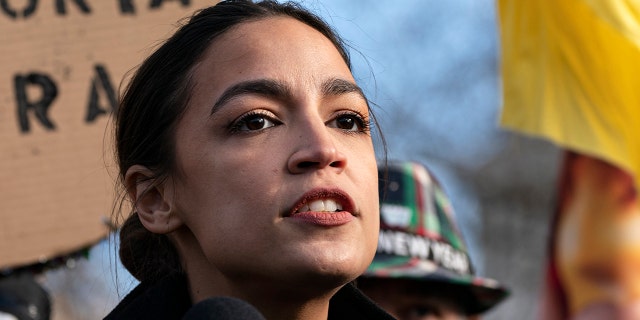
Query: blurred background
point(432, 70)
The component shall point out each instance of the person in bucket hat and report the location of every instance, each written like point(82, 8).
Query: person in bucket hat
point(422, 268)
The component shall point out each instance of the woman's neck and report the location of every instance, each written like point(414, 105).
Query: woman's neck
point(277, 308)
point(278, 300)
point(272, 301)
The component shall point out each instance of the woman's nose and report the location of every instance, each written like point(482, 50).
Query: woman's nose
point(316, 149)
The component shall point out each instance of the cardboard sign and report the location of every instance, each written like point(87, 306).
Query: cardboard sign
point(62, 63)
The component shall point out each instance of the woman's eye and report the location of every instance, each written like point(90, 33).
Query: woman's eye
point(253, 122)
point(351, 122)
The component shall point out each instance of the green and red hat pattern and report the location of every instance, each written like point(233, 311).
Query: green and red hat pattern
point(419, 238)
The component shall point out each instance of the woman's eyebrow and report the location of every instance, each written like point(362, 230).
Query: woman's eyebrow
point(336, 86)
point(279, 90)
point(262, 87)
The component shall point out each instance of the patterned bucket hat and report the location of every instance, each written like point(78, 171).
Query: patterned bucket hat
point(420, 240)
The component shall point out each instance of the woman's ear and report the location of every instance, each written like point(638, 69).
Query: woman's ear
point(153, 202)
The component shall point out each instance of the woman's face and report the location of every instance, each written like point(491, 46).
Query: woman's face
point(276, 174)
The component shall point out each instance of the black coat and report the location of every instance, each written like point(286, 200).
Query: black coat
point(169, 299)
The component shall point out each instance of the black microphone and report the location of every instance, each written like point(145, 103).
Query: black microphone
point(223, 308)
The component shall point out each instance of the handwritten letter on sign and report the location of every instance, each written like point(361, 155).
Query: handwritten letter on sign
point(62, 63)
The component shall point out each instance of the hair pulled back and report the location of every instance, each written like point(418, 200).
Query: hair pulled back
point(154, 101)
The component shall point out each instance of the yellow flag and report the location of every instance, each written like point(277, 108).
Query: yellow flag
point(571, 74)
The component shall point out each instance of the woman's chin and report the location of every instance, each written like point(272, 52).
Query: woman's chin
point(331, 273)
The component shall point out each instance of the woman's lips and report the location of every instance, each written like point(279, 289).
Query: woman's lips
point(324, 218)
point(324, 207)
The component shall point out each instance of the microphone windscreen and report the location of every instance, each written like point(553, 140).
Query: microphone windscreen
point(223, 308)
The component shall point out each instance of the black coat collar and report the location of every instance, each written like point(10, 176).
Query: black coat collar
point(169, 299)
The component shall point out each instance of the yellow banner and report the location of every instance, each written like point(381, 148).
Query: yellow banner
point(571, 74)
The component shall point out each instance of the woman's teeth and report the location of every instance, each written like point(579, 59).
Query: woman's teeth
point(327, 205)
